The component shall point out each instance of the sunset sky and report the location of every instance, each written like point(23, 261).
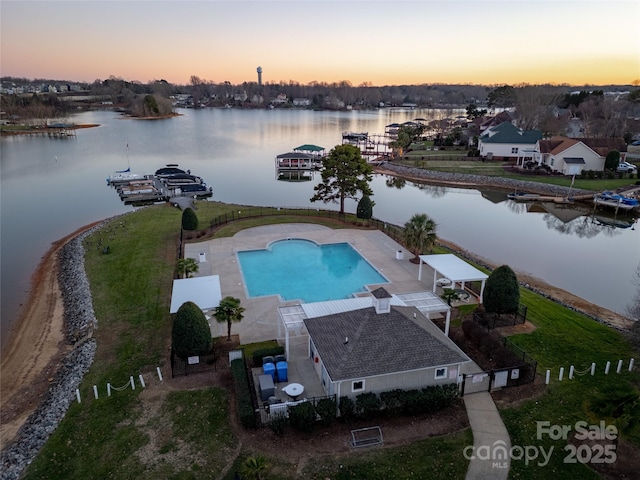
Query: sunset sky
point(382, 42)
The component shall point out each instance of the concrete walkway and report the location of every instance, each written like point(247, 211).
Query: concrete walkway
point(491, 442)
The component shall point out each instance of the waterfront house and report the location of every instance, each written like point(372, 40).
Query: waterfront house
point(506, 141)
point(572, 156)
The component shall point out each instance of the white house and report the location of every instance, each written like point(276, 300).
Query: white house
point(572, 156)
point(506, 141)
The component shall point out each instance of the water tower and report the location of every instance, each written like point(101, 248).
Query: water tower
point(259, 70)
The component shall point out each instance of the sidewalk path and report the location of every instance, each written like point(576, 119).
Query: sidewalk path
point(489, 433)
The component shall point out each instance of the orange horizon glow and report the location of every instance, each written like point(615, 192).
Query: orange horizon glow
point(440, 42)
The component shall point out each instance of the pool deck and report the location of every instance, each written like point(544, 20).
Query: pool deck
point(261, 320)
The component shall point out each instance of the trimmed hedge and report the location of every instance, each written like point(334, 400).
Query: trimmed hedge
point(258, 355)
point(244, 404)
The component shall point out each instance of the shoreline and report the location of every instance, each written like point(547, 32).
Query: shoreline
point(36, 345)
point(51, 355)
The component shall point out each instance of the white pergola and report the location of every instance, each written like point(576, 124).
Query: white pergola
point(203, 291)
point(454, 269)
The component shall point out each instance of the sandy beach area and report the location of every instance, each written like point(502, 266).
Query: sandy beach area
point(36, 346)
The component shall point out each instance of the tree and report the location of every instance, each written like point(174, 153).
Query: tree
point(501, 292)
point(344, 174)
point(612, 159)
point(474, 112)
point(419, 234)
point(186, 266)
point(189, 219)
point(229, 311)
point(190, 334)
point(449, 295)
point(501, 97)
point(364, 210)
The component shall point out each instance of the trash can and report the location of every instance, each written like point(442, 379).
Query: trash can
point(269, 369)
point(399, 255)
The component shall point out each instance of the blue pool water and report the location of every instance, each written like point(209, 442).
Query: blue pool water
point(302, 270)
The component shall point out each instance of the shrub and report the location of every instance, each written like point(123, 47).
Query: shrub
point(278, 423)
point(472, 330)
point(190, 333)
point(189, 219)
point(347, 409)
point(326, 410)
point(392, 402)
point(502, 292)
point(367, 405)
point(302, 416)
point(244, 404)
point(258, 355)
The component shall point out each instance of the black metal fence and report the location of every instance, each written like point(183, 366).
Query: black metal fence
point(492, 320)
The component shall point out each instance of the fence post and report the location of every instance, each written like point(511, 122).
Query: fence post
point(159, 373)
point(619, 366)
point(606, 368)
point(571, 370)
point(593, 369)
point(631, 364)
point(108, 389)
point(78, 395)
point(141, 381)
point(546, 380)
point(561, 374)
point(95, 392)
point(133, 384)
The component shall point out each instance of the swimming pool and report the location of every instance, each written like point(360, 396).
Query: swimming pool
point(298, 269)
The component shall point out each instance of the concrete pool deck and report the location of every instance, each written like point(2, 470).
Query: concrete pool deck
point(261, 320)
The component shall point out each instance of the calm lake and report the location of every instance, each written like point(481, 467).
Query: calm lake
point(50, 187)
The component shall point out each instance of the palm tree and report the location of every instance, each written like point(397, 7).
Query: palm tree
point(419, 235)
point(229, 310)
point(253, 466)
point(187, 266)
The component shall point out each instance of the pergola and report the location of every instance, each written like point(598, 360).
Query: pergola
point(454, 269)
point(203, 291)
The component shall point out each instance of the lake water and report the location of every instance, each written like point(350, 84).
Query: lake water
point(50, 187)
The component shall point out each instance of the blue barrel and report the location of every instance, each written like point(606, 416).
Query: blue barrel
point(269, 369)
point(282, 370)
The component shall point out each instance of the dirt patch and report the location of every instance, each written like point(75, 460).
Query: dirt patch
point(627, 457)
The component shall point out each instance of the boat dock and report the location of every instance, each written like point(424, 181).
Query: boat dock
point(167, 183)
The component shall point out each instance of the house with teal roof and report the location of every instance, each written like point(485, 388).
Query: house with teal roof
point(508, 142)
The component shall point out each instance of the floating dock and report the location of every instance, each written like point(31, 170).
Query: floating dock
point(166, 183)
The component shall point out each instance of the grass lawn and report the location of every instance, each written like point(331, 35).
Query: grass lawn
point(496, 169)
point(156, 433)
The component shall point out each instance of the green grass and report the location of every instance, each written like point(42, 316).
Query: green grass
point(186, 434)
point(563, 338)
point(439, 457)
point(496, 169)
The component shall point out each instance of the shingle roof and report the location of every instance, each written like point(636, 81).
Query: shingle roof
point(601, 146)
point(363, 343)
point(506, 132)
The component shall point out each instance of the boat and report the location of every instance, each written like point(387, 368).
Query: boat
point(523, 196)
point(616, 200)
point(123, 176)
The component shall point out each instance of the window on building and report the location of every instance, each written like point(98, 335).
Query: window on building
point(357, 386)
point(514, 150)
point(441, 373)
